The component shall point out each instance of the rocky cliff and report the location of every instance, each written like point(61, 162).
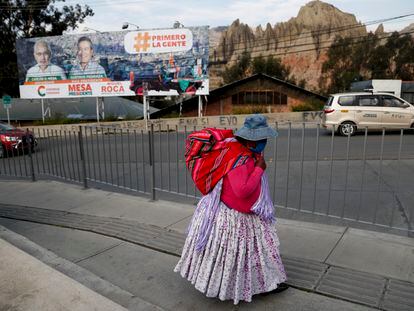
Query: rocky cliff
point(301, 43)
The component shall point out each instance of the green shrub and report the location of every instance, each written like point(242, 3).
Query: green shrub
point(110, 117)
point(53, 121)
point(173, 114)
point(310, 105)
point(250, 109)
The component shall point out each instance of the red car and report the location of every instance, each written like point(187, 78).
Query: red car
point(14, 140)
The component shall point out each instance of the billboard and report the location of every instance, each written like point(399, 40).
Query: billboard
point(154, 62)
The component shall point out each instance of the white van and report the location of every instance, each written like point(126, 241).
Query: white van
point(347, 113)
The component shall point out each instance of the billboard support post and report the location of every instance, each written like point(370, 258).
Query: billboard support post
point(97, 109)
point(8, 115)
point(148, 109)
point(6, 104)
point(144, 106)
point(144, 110)
point(43, 110)
point(200, 107)
point(145, 102)
point(103, 109)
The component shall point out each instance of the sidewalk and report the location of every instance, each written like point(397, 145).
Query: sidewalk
point(32, 285)
point(362, 269)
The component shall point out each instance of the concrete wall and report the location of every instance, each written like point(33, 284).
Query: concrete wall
point(229, 121)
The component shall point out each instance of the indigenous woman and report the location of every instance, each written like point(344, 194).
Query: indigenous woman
point(232, 248)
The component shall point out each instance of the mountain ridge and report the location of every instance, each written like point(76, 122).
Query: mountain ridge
point(301, 42)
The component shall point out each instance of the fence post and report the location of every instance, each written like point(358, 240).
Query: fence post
point(82, 157)
point(152, 160)
point(31, 145)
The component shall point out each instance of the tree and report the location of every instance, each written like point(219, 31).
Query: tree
point(245, 65)
point(349, 60)
point(302, 83)
point(238, 70)
point(339, 69)
point(404, 63)
point(271, 66)
point(275, 68)
point(379, 63)
point(259, 65)
point(404, 58)
point(31, 18)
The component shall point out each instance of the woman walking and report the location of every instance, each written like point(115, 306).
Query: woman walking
point(232, 248)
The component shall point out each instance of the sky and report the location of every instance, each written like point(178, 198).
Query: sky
point(147, 14)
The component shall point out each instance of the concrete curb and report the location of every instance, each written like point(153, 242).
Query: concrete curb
point(77, 273)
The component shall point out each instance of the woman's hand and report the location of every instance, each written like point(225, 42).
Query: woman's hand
point(260, 162)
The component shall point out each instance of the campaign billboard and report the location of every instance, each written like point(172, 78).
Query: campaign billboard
point(153, 62)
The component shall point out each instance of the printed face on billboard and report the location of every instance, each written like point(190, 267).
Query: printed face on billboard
point(157, 62)
point(42, 55)
point(85, 52)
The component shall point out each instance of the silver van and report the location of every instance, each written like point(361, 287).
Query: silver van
point(347, 113)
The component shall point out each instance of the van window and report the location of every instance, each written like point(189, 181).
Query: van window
point(368, 101)
point(346, 100)
point(390, 101)
point(329, 101)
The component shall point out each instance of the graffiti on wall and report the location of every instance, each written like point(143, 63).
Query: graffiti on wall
point(312, 116)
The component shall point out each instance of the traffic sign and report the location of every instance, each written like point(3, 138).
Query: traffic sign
point(6, 101)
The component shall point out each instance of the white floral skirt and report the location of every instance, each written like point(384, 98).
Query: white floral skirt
point(240, 259)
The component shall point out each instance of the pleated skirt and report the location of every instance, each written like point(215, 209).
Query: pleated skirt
point(241, 257)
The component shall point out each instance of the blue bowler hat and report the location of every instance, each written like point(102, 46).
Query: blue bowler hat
point(256, 128)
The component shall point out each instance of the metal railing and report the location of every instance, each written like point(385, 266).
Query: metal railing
point(361, 180)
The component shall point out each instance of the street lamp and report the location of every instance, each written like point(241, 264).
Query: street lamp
point(126, 25)
point(89, 28)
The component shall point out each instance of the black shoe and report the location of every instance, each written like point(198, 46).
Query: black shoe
point(280, 288)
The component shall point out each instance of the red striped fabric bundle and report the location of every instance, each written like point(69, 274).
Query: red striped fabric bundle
point(210, 155)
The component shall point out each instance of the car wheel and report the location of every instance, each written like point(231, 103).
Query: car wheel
point(347, 128)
